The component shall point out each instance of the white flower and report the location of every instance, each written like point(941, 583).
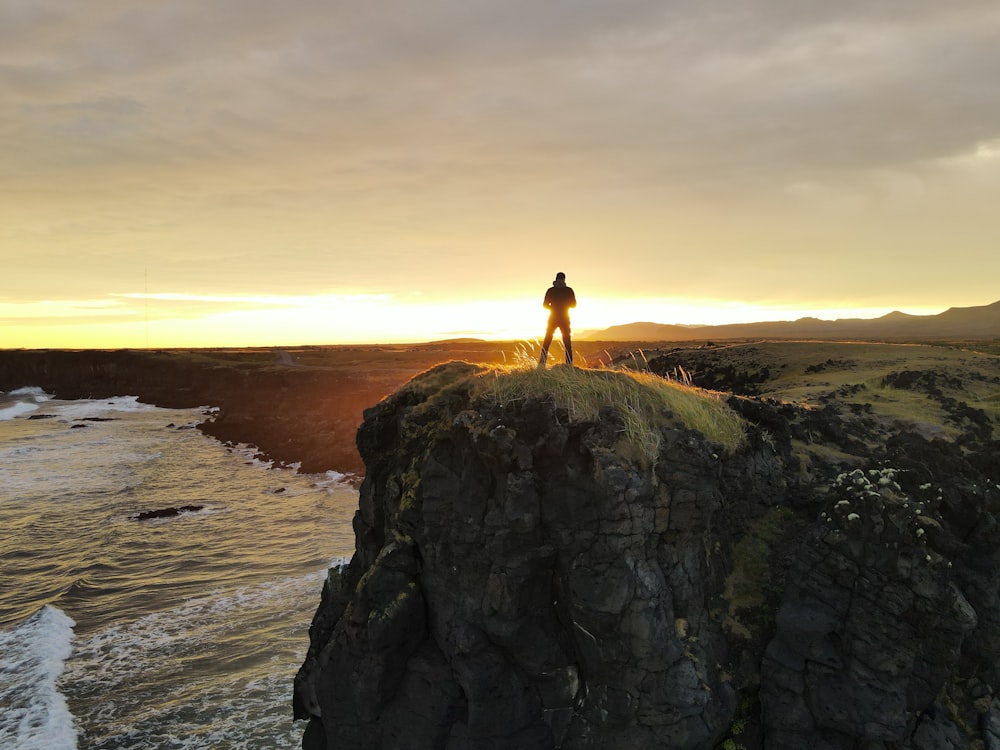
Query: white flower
point(920, 532)
point(853, 517)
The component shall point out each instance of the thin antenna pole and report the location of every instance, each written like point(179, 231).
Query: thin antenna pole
point(145, 276)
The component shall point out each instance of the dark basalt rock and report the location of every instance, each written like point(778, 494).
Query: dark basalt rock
point(518, 583)
point(719, 376)
point(165, 512)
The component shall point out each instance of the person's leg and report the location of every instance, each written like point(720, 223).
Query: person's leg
point(549, 332)
point(567, 343)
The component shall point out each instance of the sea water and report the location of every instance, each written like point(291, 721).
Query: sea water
point(177, 632)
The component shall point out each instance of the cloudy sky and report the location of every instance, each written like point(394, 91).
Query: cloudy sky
point(237, 172)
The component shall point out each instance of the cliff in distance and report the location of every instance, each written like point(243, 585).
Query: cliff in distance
point(530, 573)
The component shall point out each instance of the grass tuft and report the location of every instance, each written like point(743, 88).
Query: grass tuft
point(646, 402)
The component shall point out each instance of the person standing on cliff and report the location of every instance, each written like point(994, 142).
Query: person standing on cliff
point(558, 300)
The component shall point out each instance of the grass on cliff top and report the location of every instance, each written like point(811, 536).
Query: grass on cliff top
point(646, 402)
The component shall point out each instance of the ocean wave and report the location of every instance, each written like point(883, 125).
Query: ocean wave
point(25, 400)
point(334, 480)
point(250, 454)
point(21, 401)
point(96, 407)
point(35, 652)
point(340, 563)
point(122, 650)
point(189, 632)
point(31, 392)
point(160, 681)
point(17, 409)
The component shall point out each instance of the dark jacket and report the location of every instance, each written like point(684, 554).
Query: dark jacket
point(559, 299)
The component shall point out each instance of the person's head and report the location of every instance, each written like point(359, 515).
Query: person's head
point(560, 276)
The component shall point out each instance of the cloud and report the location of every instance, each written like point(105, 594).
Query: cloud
point(710, 89)
point(252, 144)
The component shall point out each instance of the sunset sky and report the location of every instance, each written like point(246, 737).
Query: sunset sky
point(252, 172)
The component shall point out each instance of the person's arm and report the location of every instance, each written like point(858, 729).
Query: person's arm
point(572, 299)
point(547, 302)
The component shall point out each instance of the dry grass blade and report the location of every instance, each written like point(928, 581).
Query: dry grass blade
point(645, 402)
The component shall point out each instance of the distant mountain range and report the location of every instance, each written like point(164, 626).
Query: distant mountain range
point(956, 323)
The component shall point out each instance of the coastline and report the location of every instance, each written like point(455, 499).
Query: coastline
point(302, 406)
point(298, 406)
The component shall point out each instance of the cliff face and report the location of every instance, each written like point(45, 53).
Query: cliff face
point(518, 583)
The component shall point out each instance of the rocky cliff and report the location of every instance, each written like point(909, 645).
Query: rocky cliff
point(523, 579)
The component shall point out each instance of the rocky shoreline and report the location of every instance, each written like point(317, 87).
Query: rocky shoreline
point(520, 582)
point(294, 415)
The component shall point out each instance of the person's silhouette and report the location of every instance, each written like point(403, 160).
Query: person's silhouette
point(558, 300)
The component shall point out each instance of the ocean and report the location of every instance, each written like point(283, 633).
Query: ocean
point(176, 632)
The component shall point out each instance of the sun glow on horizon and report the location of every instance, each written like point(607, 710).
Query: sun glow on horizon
point(176, 320)
point(399, 182)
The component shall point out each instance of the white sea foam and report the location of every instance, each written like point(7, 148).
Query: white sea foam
point(31, 392)
point(21, 401)
point(339, 563)
point(122, 652)
point(334, 480)
point(17, 409)
point(182, 515)
point(249, 453)
point(103, 406)
point(35, 714)
point(168, 670)
point(25, 400)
